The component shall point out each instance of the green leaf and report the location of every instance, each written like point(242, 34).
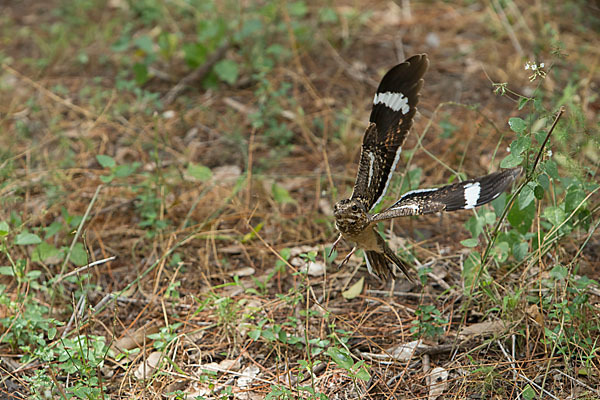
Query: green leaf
point(574, 197)
point(78, 255)
point(500, 251)
point(194, 54)
point(269, 335)
point(558, 272)
point(327, 15)
point(25, 238)
point(521, 219)
point(280, 194)
point(517, 125)
point(254, 334)
point(538, 191)
point(145, 44)
point(554, 215)
point(551, 169)
point(298, 9)
point(475, 225)
point(282, 336)
point(34, 274)
point(528, 393)
point(522, 102)
point(511, 161)
point(472, 242)
point(354, 290)
point(7, 270)
point(107, 178)
point(44, 252)
point(544, 181)
point(518, 146)
point(363, 374)
point(105, 161)
point(199, 172)
point(526, 196)
point(4, 228)
point(519, 250)
point(227, 71)
point(340, 357)
point(140, 73)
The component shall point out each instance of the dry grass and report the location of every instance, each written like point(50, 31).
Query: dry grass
point(209, 265)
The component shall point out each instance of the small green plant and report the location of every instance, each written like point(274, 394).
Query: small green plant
point(429, 322)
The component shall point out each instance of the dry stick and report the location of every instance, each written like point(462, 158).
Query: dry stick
point(196, 75)
point(85, 267)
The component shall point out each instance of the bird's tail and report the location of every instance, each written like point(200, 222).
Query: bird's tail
point(382, 264)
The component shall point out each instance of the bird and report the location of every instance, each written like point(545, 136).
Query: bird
point(394, 107)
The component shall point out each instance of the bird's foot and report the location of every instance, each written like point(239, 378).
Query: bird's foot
point(345, 260)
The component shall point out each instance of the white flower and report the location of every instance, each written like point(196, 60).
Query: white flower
point(542, 65)
point(549, 153)
point(508, 149)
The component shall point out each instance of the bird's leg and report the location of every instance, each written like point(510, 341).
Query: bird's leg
point(334, 244)
point(345, 260)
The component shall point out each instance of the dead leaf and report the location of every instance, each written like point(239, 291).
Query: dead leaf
point(486, 328)
point(146, 368)
point(354, 290)
point(223, 366)
point(534, 312)
point(247, 375)
point(438, 382)
point(246, 271)
point(314, 268)
point(404, 352)
point(226, 173)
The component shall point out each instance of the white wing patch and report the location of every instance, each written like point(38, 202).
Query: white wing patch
point(371, 163)
point(472, 191)
point(389, 177)
point(395, 101)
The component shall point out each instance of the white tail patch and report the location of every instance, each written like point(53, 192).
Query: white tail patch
point(395, 101)
point(472, 191)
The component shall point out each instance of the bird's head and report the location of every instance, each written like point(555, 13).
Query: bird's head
point(350, 216)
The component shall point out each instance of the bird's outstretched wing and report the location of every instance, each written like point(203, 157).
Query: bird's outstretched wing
point(458, 196)
point(394, 107)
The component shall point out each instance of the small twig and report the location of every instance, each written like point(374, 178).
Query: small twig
point(196, 75)
point(85, 267)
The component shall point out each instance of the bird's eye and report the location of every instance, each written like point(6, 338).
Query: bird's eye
point(354, 208)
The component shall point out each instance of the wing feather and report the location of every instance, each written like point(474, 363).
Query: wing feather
point(458, 196)
point(394, 107)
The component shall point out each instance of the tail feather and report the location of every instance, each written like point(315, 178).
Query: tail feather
point(384, 264)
